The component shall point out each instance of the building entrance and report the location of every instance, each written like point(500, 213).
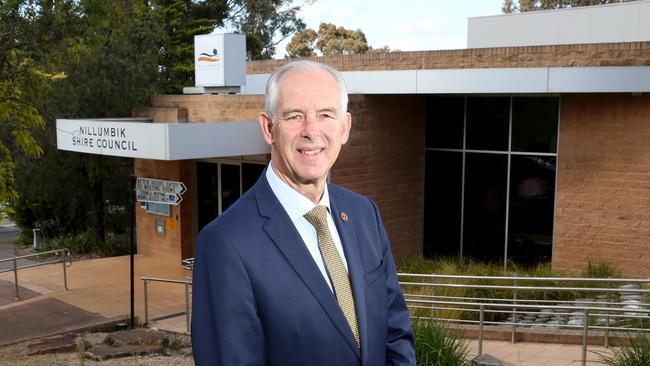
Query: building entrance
point(220, 184)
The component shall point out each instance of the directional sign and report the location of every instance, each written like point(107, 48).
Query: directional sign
point(159, 191)
point(158, 197)
point(158, 185)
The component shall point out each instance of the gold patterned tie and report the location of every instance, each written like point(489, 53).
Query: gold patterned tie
point(338, 275)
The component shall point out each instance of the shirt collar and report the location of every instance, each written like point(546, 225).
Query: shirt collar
point(293, 202)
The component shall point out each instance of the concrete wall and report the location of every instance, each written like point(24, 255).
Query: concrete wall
point(623, 22)
point(603, 185)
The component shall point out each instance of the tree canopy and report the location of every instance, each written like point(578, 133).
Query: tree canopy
point(98, 58)
point(329, 40)
point(514, 6)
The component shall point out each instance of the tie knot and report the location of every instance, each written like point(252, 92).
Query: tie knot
point(317, 217)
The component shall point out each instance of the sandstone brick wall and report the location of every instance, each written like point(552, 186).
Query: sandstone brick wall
point(604, 54)
point(179, 239)
point(384, 160)
point(603, 185)
point(213, 108)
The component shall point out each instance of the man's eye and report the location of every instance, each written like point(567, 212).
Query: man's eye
point(294, 117)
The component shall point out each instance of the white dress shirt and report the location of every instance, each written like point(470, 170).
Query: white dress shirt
point(297, 205)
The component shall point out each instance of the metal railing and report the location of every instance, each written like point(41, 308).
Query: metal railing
point(529, 303)
point(187, 312)
point(64, 259)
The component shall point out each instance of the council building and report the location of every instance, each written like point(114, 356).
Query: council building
point(532, 145)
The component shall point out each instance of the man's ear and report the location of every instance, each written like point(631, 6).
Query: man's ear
point(347, 125)
point(266, 125)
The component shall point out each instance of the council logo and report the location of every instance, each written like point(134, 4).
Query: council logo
point(207, 57)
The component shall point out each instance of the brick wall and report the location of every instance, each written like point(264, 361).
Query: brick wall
point(603, 185)
point(178, 241)
point(384, 160)
point(213, 108)
point(604, 54)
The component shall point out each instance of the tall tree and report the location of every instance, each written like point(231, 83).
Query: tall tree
point(21, 75)
point(181, 20)
point(109, 53)
point(265, 23)
point(329, 40)
point(514, 6)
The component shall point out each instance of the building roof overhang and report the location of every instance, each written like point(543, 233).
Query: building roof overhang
point(139, 138)
point(605, 79)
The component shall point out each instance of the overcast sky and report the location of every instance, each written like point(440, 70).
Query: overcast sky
point(407, 25)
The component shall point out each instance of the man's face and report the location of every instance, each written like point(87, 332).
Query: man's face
point(309, 128)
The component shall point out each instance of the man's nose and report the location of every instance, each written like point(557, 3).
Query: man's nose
point(310, 127)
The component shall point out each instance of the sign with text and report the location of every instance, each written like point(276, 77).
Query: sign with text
point(159, 191)
point(111, 137)
point(165, 186)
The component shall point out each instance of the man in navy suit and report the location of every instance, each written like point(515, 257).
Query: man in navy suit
point(274, 286)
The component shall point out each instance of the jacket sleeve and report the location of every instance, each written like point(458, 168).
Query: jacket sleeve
point(226, 329)
point(400, 349)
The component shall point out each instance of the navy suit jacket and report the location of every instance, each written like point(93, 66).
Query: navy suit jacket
point(258, 297)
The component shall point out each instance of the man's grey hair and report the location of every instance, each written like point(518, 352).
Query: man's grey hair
point(273, 84)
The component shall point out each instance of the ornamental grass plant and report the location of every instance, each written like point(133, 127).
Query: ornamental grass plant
point(439, 345)
point(636, 354)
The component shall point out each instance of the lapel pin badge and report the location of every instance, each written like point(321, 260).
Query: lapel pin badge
point(344, 216)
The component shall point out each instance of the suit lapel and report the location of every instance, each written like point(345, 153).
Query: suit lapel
point(285, 236)
point(355, 269)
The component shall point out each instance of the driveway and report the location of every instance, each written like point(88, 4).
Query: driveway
point(8, 249)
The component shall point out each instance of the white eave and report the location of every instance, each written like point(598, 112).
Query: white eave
point(606, 79)
point(136, 138)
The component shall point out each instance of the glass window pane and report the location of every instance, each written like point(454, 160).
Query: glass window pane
point(444, 124)
point(442, 203)
point(485, 206)
point(207, 178)
point(534, 124)
point(532, 197)
point(249, 175)
point(487, 123)
point(230, 187)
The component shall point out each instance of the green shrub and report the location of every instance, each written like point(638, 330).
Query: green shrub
point(83, 242)
point(436, 344)
point(636, 354)
point(78, 243)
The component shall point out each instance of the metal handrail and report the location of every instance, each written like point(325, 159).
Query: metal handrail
point(509, 278)
point(64, 253)
point(606, 307)
point(533, 288)
point(187, 312)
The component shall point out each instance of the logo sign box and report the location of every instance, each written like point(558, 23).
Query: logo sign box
point(220, 60)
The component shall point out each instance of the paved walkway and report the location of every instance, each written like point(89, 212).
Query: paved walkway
point(538, 354)
point(101, 286)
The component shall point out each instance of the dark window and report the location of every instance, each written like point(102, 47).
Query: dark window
point(444, 127)
point(230, 185)
point(207, 177)
point(249, 175)
point(485, 204)
point(442, 203)
point(532, 197)
point(487, 123)
point(534, 124)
